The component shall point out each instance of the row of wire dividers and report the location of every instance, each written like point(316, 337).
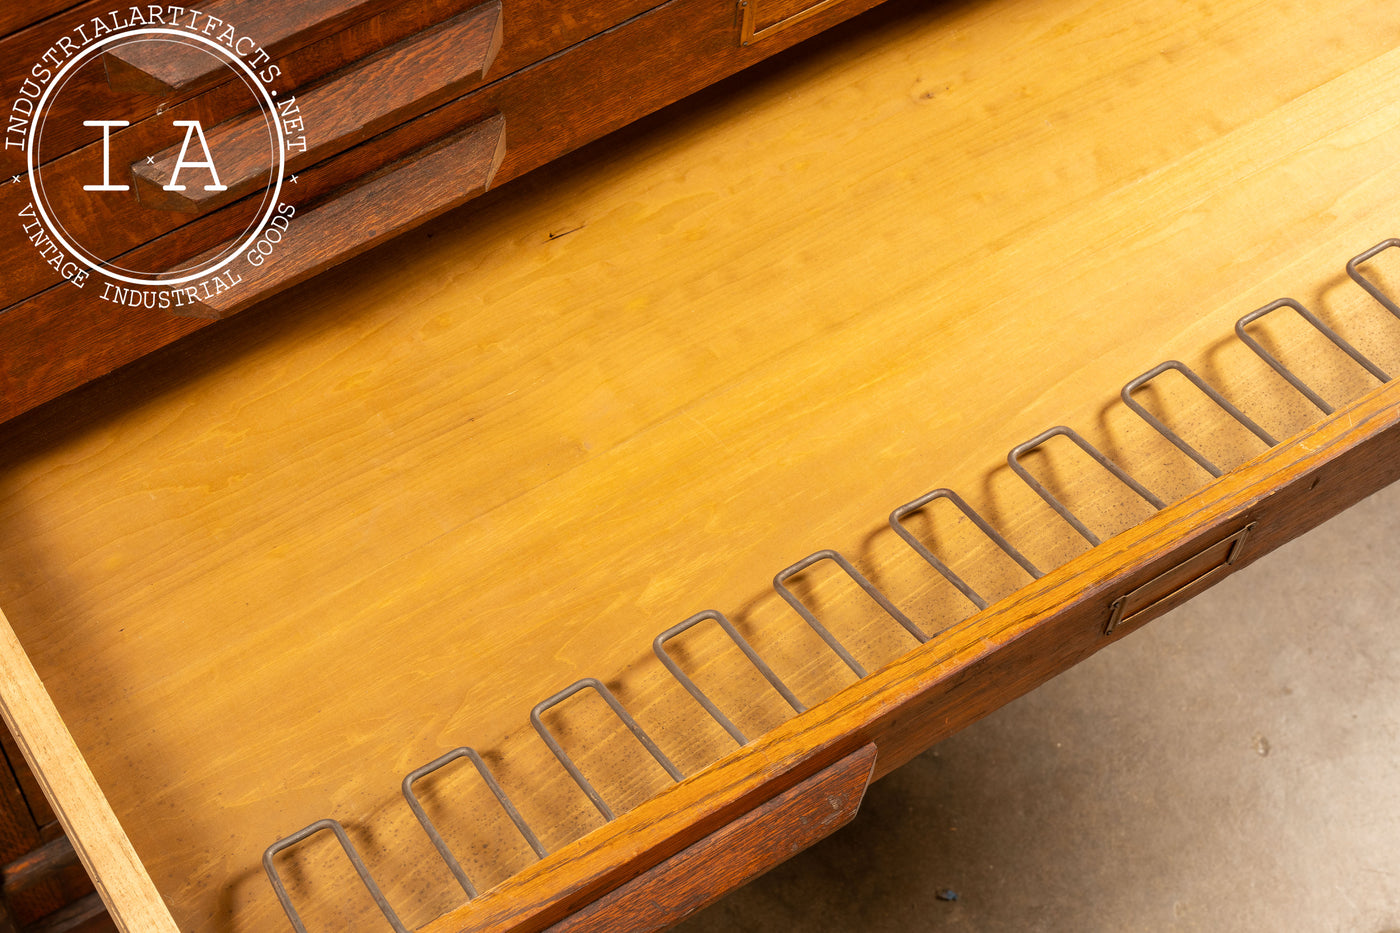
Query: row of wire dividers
point(1210, 392)
point(1354, 271)
point(1292, 378)
point(780, 580)
point(1013, 459)
point(909, 508)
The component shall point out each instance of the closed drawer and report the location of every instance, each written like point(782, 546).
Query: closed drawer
point(391, 86)
point(271, 572)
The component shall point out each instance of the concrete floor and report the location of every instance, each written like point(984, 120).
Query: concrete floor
point(1234, 766)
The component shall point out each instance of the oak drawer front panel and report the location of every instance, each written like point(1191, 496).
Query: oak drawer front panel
point(500, 454)
point(698, 875)
point(56, 336)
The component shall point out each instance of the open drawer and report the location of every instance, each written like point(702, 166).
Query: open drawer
point(271, 572)
point(222, 170)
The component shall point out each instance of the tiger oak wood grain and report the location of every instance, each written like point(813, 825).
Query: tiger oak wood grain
point(366, 99)
point(736, 854)
point(279, 28)
point(533, 31)
point(112, 224)
point(15, 16)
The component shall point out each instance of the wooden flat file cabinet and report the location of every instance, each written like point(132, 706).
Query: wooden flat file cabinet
point(575, 554)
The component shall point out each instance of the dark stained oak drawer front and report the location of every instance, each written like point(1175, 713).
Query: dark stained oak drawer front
point(355, 102)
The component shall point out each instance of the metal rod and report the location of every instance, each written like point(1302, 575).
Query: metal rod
point(348, 847)
point(1323, 329)
point(659, 646)
point(1014, 460)
point(622, 714)
point(1210, 393)
point(780, 584)
point(441, 844)
point(910, 508)
point(1354, 270)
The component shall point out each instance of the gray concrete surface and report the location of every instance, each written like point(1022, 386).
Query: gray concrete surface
point(1234, 766)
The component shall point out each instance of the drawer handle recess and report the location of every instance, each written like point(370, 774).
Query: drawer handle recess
point(400, 196)
point(1191, 575)
point(375, 95)
point(142, 68)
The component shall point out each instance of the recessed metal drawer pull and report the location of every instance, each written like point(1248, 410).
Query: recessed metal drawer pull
point(1014, 460)
point(622, 714)
point(659, 646)
point(1193, 573)
point(1210, 393)
point(441, 844)
point(1337, 340)
point(360, 869)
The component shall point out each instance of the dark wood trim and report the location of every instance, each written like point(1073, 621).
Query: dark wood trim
point(37, 866)
point(86, 913)
point(282, 28)
point(61, 338)
point(766, 836)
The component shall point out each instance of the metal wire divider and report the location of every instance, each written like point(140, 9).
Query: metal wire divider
point(896, 521)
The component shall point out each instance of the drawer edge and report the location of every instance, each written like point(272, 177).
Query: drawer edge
point(979, 665)
point(101, 843)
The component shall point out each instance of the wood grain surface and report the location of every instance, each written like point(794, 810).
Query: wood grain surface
point(364, 100)
point(112, 224)
point(403, 194)
point(268, 573)
point(760, 839)
point(98, 837)
point(532, 32)
point(279, 29)
point(15, 16)
point(554, 107)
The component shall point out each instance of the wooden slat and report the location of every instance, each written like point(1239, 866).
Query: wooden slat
point(37, 866)
point(281, 28)
point(84, 915)
point(100, 842)
point(733, 855)
point(15, 16)
point(366, 99)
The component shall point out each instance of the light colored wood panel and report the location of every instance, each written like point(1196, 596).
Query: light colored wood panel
point(486, 462)
point(105, 851)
